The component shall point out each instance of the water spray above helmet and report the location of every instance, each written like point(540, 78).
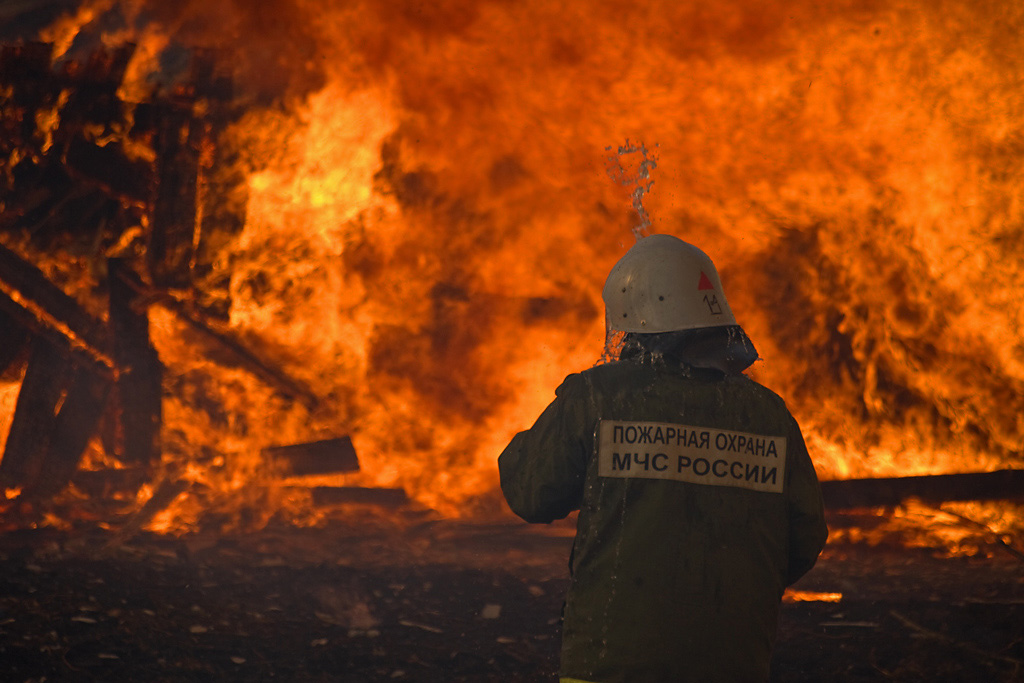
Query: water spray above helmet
point(631, 166)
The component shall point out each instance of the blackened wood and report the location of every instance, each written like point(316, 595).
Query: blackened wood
point(239, 353)
point(26, 70)
point(139, 383)
point(329, 456)
point(80, 211)
point(172, 232)
point(211, 76)
point(92, 92)
point(223, 196)
point(246, 358)
point(109, 428)
point(28, 296)
point(206, 212)
point(74, 425)
point(109, 482)
point(111, 169)
point(324, 496)
point(106, 67)
point(38, 195)
point(34, 417)
point(166, 493)
point(25, 63)
point(878, 492)
point(13, 338)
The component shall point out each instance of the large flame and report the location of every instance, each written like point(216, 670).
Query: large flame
point(429, 219)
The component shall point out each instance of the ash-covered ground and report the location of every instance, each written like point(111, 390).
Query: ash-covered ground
point(447, 601)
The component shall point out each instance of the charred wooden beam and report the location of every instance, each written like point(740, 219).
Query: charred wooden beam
point(223, 184)
point(329, 456)
point(25, 63)
point(246, 358)
point(92, 91)
point(211, 80)
point(110, 168)
point(139, 382)
point(28, 296)
point(191, 175)
point(224, 339)
point(167, 491)
point(25, 69)
point(890, 491)
point(110, 482)
point(74, 425)
point(81, 211)
point(173, 229)
point(13, 339)
point(106, 68)
point(39, 194)
point(325, 496)
point(34, 417)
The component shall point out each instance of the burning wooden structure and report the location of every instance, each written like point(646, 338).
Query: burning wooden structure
point(77, 364)
point(152, 196)
point(95, 373)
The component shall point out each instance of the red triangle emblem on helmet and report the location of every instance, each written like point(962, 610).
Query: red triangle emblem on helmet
point(705, 282)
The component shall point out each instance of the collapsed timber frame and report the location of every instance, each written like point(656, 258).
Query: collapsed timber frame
point(88, 373)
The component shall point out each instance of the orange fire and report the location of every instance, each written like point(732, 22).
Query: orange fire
point(429, 221)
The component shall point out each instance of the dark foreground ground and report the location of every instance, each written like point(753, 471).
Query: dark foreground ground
point(446, 602)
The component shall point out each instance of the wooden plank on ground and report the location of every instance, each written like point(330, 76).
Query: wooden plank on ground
point(1005, 484)
point(329, 456)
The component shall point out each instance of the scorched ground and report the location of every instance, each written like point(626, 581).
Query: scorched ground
point(451, 601)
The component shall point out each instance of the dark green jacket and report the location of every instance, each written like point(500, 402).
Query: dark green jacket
point(680, 561)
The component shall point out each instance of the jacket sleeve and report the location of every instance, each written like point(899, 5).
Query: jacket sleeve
point(542, 469)
point(807, 529)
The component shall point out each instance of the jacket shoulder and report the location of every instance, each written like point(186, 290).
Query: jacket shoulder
point(574, 385)
point(609, 375)
point(753, 386)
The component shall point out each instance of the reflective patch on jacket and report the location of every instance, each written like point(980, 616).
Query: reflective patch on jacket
point(697, 455)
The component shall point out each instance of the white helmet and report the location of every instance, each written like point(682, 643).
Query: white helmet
point(664, 284)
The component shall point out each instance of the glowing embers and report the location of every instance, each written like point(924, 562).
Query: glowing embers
point(952, 529)
point(810, 596)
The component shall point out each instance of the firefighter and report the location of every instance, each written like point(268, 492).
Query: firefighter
point(698, 503)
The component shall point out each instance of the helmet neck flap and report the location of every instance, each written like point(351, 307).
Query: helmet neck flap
point(725, 349)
